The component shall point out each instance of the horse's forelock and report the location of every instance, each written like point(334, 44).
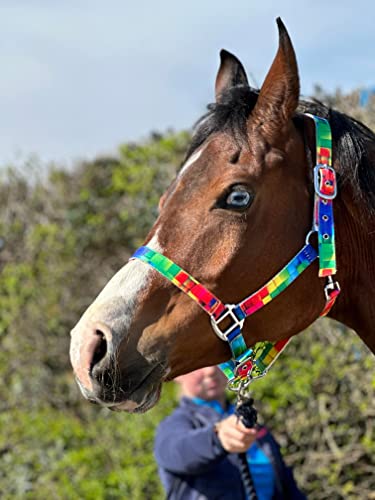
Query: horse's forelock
point(230, 115)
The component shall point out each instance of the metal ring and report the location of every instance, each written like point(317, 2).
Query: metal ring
point(234, 386)
point(325, 218)
point(325, 236)
point(307, 239)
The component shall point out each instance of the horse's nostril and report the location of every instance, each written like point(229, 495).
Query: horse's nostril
point(90, 352)
point(100, 350)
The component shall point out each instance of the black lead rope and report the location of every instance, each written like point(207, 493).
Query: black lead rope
point(248, 415)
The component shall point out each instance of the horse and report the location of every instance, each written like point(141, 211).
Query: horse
point(238, 210)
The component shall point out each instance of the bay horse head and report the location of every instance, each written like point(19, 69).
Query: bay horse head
point(238, 210)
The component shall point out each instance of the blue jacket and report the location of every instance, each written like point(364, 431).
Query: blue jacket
point(193, 465)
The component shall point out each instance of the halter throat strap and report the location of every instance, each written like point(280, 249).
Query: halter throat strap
point(227, 320)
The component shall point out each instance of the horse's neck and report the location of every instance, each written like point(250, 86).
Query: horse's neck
point(355, 244)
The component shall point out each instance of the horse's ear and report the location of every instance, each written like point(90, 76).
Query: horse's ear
point(278, 97)
point(230, 74)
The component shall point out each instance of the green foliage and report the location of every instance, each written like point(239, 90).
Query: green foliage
point(49, 453)
point(66, 233)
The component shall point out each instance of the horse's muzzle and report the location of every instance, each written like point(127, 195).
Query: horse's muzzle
point(107, 380)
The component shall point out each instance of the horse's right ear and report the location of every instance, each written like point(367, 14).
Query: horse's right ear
point(279, 95)
point(230, 74)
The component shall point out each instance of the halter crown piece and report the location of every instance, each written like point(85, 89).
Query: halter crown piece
point(250, 363)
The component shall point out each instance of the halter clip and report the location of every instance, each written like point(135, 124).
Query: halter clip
point(332, 289)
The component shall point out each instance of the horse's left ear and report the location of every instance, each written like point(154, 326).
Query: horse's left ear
point(278, 97)
point(230, 74)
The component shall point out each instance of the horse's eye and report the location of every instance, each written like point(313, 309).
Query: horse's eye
point(238, 200)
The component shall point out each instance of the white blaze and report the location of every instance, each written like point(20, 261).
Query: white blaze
point(130, 279)
point(120, 293)
point(193, 158)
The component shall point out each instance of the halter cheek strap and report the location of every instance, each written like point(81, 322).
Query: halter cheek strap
point(227, 320)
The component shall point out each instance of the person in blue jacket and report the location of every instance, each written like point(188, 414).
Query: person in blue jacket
point(197, 447)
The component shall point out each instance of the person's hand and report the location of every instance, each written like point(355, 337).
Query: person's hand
point(234, 436)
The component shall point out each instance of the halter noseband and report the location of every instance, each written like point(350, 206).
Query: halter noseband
point(227, 320)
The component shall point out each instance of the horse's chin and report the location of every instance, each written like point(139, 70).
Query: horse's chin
point(142, 399)
point(146, 404)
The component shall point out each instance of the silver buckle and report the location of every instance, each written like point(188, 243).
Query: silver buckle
point(316, 182)
point(330, 287)
point(235, 322)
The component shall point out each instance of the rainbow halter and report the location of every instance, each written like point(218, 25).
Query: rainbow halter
point(249, 363)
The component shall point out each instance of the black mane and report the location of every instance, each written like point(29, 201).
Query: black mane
point(353, 142)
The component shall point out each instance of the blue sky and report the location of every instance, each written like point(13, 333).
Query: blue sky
point(80, 77)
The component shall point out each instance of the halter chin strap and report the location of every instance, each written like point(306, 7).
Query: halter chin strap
point(227, 320)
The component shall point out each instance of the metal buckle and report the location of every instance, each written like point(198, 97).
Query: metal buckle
point(330, 287)
point(235, 322)
point(317, 182)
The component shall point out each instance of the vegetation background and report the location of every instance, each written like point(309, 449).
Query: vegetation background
point(63, 234)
